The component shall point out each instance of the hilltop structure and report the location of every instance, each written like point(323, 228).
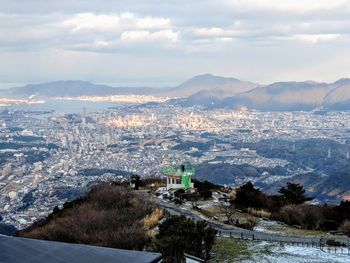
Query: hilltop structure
point(179, 177)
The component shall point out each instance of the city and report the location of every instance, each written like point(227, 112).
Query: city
point(50, 158)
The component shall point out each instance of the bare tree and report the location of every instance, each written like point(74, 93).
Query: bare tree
point(228, 209)
point(251, 222)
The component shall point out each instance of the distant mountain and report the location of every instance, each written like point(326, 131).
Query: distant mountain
point(329, 189)
point(208, 86)
point(339, 97)
point(212, 92)
point(284, 96)
point(281, 96)
point(70, 88)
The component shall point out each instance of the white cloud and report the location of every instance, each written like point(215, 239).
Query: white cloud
point(102, 43)
point(147, 36)
point(277, 32)
point(113, 22)
point(315, 38)
point(225, 39)
point(215, 32)
point(130, 20)
point(92, 22)
point(292, 6)
point(150, 22)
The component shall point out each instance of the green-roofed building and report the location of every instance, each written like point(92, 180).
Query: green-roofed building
point(179, 177)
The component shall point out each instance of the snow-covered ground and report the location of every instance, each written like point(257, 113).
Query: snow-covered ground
point(265, 252)
point(272, 252)
point(266, 226)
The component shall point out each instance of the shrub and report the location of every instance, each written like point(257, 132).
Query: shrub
point(345, 227)
point(248, 196)
point(178, 235)
point(290, 215)
point(150, 221)
point(109, 216)
point(259, 212)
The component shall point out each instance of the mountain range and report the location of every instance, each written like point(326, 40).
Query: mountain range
point(213, 92)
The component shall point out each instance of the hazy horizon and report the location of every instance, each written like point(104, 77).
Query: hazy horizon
point(160, 84)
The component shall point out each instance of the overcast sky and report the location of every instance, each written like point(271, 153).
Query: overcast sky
point(159, 43)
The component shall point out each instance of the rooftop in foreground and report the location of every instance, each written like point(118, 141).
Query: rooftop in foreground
point(20, 250)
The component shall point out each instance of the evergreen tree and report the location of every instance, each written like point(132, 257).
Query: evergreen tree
point(293, 193)
point(178, 235)
point(248, 196)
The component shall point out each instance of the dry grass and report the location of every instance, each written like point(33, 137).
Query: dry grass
point(259, 212)
point(150, 221)
point(207, 213)
point(109, 216)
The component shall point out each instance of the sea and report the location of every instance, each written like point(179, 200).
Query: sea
point(64, 106)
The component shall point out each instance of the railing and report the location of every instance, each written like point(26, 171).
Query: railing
point(319, 243)
point(344, 249)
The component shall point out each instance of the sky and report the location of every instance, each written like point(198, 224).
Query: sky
point(162, 43)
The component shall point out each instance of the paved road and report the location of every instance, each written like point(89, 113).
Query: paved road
point(236, 232)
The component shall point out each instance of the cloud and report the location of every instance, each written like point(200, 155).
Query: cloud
point(215, 32)
point(315, 38)
point(105, 32)
point(92, 22)
point(151, 23)
point(112, 31)
point(113, 22)
point(229, 33)
point(146, 36)
point(289, 6)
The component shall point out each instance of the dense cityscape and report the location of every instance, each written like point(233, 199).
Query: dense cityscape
point(48, 158)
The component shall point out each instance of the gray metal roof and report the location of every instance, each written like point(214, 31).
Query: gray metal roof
point(20, 250)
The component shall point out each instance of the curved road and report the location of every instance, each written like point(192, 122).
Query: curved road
point(231, 231)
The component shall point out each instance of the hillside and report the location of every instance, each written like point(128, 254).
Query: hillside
point(286, 96)
point(339, 97)
point(325, 179)
point(214, 86)
point(69, 88)
point(279, 96)
point(110, 216)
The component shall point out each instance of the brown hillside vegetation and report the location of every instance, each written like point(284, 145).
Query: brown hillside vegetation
point(110, 215)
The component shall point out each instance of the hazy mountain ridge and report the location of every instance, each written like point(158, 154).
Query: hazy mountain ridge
point(212, 91)
point(70, 88)
point(283, 96)
point(211, 85)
